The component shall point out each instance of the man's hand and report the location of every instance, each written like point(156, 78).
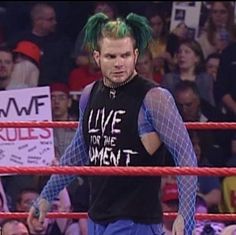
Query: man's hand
point(178, 226)
point(38, 214)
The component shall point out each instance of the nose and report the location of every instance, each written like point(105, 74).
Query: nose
point(118, 62)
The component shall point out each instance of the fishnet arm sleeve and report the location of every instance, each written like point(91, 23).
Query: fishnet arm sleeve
point(76, 154)
point(161, 112)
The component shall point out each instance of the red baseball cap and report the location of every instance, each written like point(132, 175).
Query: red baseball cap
point(29, 49)
point(170, 192)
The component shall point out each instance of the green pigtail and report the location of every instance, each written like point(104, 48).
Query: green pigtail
point(92, 30)
point(141, 30)
point(99, 26)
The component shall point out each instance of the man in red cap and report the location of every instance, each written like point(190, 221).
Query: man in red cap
point(26, 69)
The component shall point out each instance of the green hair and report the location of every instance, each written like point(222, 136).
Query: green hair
point(134, 26)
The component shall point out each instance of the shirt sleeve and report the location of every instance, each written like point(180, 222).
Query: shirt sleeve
point(160, 110)
point(76, 154)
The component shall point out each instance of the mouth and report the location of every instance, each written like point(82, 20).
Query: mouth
point(118, 73)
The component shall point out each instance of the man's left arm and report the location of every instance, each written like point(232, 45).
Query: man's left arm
point(162, 112)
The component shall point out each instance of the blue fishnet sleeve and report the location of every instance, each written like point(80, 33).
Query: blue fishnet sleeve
point(161, 112)
point(76, 154)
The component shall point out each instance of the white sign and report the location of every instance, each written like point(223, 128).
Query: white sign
point(26, 146)
point(187, 12)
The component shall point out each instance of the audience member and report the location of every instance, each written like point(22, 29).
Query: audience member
point(212, 65)
point(219, 28)
point(206, 227)
point(176, 36)
point(83, 75)
point(209, 187)
point(6, 67)
point(145, 67)
point(226, 82)
point(25, 199)
point(194, 109)
point(56, 48)
point(26, 68)
point(170, 203)
point(61, 104)
point(190, 67)
point(159, 42)
point(14, 227)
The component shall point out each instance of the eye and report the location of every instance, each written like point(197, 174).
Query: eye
point(109, 56)
point(126, 55)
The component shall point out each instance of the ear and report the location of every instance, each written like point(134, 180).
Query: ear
point(136, 54)
point(96, 56)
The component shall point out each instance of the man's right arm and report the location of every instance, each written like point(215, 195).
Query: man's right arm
point(76, 154)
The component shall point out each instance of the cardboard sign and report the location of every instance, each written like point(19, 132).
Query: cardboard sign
point(26, 146)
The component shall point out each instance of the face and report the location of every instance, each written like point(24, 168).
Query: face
point(157, 26)
point(60, 105)
point(48, 20)
point(15, 228)
point(212, 66)
point(39, 229)
point(144, 66)
point(188, 104)
point(219, 14)
point(117, 59)
point(181, 31)
point(27, 200)
point(6, 65)
point(186, 57)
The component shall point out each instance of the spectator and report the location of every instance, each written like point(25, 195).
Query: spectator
point(25, 199)
point(204, 227)
point(190, 68)
point(209, 187)
point(56, 48)
point(170, 203)
point(14, 227)
point(226, 82)
point(145, 67)
point(212, 65)
point(26, 69)
point(219, 28)
point(83, 75)
point(6, 67)
point(158, 45)
point(194, 109)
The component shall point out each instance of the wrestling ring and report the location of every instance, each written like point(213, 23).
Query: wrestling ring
point(121, 171)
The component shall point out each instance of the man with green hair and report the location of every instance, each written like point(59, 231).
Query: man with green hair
point(125, 120)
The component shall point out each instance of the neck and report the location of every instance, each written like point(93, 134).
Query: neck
point(188, 74)
point(61, 117)
point(38, 32)
point(108, 83)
